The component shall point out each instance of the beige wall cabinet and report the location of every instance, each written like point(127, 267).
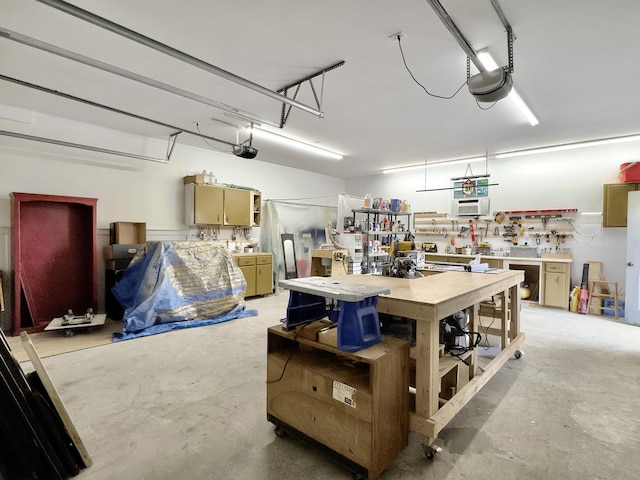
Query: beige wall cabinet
point(258, 272)
point(203, 205)
point(556, 284)
point(238, 207)
point(217, 205)
point(614, 203)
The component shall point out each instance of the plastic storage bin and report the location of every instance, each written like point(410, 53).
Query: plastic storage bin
point(608, 308)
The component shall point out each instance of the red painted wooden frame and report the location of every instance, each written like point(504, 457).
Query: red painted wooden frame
point(55, 261)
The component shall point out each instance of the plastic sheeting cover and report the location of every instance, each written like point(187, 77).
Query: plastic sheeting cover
point(170, 283)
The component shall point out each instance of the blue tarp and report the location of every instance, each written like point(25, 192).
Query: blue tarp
point(171, 285)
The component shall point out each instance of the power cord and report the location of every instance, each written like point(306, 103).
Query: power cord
point(415, 80)
point(205, 141)
point(486, 345)
point(293, 349)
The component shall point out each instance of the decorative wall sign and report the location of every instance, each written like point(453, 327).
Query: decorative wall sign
point(471, 188)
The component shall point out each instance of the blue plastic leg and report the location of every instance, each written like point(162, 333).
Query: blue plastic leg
point(304, 308)
point(358, 324)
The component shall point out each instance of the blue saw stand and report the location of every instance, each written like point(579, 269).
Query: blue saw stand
point(356, 317)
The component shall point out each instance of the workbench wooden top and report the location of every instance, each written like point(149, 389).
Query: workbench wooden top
point(442, 287)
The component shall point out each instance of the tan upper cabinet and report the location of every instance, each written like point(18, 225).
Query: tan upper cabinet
point(614, 203)
point(218, 205)
point(203, 205)
point(238, 207)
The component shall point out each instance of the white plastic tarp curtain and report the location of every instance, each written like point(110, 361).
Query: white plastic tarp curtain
point(346, 205)
point(307, 223)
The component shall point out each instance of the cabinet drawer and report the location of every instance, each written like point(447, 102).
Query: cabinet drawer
point(263, 260)
point(245, 261)
point(555, 267)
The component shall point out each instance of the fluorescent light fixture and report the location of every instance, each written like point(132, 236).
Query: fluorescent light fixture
point(570, 146)
point(293, 143)
point(490, 64)
point(435, 164)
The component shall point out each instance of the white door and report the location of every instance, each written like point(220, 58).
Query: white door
point(632, 308)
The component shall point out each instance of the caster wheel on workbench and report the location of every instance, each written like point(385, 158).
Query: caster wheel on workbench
point(430, 451)
point(279, 431)
point(518, 354)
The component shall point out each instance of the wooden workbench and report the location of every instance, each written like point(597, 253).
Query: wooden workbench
point(430, 299)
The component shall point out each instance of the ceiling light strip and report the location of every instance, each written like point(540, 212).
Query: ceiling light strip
point(292, 142)
point(434, 164)
point(172, 52)
point(76, 57)
point(570, 146)
point(484, 55)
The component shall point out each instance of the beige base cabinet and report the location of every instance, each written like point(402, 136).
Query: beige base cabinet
point(258, 272)
point(264, 274)
point(556, 284)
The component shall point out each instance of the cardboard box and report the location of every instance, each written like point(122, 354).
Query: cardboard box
point(197, 179)
point(127, 233)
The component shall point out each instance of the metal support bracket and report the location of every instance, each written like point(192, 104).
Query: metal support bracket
point(172, 143)
point(284, 116)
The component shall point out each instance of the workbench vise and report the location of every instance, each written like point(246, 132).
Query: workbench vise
point(351, 306)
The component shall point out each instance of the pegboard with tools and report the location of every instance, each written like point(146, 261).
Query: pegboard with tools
point(548, 229)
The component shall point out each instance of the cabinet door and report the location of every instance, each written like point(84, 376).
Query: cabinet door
point(249, 272)
point(554, 290)
point(208, 205)
point(614, 204)
point(238, 207)
point(263, 280)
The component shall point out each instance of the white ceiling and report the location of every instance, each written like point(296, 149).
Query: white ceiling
point(575, 64)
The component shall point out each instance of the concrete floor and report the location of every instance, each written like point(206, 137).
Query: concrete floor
point(190, 404)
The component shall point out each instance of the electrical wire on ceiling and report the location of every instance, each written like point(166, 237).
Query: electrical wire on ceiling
point(398, 37)
point(205, 141)
point(404, 60)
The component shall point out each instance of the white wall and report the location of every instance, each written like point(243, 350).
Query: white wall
point(129, 189)
point(141, 191)
point(570, 179)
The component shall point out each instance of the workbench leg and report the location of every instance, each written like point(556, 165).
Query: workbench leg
point(514, 311)
point(474, 320)
point(504, 320)
point(427, 367)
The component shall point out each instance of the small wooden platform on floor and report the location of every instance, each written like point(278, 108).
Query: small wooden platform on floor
point(55, 342)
